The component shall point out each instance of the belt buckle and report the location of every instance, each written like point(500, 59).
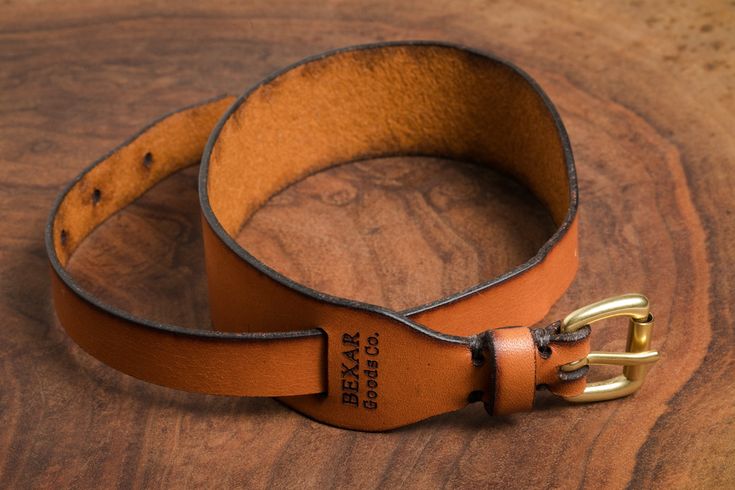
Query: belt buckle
point(637, 355)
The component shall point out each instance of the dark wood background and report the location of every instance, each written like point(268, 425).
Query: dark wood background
point(646, 91)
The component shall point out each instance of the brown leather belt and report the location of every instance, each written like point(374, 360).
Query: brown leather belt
point(345, 363)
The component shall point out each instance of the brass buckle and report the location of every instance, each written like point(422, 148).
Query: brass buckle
point(636, 357)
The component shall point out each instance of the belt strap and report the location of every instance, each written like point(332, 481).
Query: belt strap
point(349, 364)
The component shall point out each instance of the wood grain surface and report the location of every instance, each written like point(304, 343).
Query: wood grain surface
point(646, 90)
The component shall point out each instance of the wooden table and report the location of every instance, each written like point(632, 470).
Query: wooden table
point(646, 90)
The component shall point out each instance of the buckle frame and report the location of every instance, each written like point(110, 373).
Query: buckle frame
point(636, 358)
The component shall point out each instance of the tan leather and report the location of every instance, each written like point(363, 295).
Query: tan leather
point(515, 370)
point(348, 364)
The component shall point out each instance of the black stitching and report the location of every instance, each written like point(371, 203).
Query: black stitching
point(573, 375)
point(542, 339)
point(551, 333)
point(571, 336)
point(545, 336)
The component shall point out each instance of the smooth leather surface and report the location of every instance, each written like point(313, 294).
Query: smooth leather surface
point(344, 363)
point(515, 368)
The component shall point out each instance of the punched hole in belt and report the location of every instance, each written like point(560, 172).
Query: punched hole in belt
point(148, 159)
point(545, 351)
point(96, 196)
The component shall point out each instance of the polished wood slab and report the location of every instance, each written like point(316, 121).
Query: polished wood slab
point(646, 90)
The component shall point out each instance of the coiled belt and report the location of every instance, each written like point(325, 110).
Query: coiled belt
point(342, 362)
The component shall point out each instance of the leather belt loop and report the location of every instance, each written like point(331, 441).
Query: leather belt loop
point(515, 370)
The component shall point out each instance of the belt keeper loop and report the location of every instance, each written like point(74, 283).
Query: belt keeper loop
point(515, 370)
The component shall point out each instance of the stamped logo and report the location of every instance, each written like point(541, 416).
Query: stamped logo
point(359, 378)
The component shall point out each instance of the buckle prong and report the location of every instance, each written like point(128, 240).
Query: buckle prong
point(637, 356)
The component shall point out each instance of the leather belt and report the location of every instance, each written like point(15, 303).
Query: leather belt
point(345, 363)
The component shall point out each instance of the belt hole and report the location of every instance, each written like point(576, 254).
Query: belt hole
point(63, 237)
point(96, 196)
point(148, 160)
point(545, 351)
